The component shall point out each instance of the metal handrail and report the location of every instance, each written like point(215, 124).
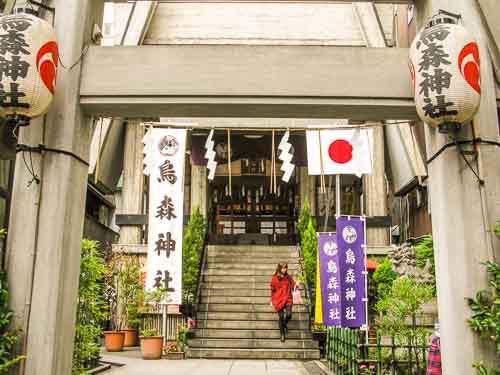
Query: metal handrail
point(307, 289)
point(201, 270)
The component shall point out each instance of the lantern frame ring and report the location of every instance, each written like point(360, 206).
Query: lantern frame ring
point(17, 121)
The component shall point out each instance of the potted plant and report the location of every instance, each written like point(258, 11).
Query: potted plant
point(173, 351)
point(181, 337)
point(130, 297)
point(114, 338)
point(151, 340)
point(151, 344)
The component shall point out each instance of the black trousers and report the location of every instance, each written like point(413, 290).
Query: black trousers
point(285, 315)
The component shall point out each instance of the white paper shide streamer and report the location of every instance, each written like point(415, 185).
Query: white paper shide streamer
point(210, 155)
point(286, 157)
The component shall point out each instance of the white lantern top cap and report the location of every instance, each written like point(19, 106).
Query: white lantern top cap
point(443, 17)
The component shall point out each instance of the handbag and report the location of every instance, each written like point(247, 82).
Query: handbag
point(296, 295)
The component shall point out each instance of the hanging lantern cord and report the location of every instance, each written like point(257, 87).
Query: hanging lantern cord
point(461, 152)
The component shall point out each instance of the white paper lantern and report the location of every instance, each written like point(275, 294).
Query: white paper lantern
point(28, 65)
point(444, 67)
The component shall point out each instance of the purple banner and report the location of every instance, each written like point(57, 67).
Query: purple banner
point(330, 279)
point(351, 243)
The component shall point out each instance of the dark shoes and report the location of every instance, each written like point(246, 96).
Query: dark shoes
point(282, 338)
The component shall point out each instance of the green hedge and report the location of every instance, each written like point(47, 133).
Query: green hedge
point(194, 238)
point(92, 308)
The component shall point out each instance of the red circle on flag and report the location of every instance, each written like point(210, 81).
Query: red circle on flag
point(340, 151)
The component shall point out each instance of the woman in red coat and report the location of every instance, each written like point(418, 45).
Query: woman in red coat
point(281, 296)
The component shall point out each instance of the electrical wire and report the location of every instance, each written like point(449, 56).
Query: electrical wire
point(84, 52)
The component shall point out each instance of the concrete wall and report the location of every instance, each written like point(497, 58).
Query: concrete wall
point(252, 23)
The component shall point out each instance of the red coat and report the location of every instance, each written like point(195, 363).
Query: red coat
point(281, 291)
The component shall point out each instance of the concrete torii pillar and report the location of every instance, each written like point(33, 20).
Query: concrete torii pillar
point(463, 212)
point(133, 180)
point(50, 254)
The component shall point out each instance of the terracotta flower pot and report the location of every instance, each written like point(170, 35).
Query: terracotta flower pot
point(130, 337)
point(113, 341)
point(151, 347)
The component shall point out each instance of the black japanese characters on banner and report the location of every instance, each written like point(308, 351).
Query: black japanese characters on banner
point(167, 172)
point(166, 209)
point(165, 243)
point(162, 281)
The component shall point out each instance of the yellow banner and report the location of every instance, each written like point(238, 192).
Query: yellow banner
point(318, 311)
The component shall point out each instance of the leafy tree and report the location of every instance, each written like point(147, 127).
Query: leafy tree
point(485, 308)
point(131, 290)
point(92, 308)
point(309, 245)
point(193, 241)
point(123, 290)
point(305, 216)
point(400, 305)
point(384, 276)
point(8, 337)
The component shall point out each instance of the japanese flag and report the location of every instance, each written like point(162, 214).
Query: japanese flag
point(342, 151)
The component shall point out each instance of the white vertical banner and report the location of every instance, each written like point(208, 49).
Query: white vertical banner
point(164, 156)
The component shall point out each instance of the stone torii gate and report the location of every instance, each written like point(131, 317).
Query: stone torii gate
point(278, 81)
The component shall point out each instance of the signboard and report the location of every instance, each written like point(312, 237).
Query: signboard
point(164, 163)
point(341, 259)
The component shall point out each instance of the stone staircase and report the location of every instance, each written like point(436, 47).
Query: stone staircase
point(235, 319)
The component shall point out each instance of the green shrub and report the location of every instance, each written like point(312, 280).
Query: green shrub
point(150, 333)
point(384, 276)
point(193, 241)
point(131, 290)
point(424, 251)
point(309, 246)
point(8, 337)
point(485, 308)
point(92, 308)
point(398, 309)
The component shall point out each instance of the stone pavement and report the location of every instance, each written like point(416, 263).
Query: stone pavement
point(135, 365)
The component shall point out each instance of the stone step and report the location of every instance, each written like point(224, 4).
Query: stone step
point(297, 354)
point(240, 266)
point(250, 324)
point(247, 292)
point(251, 248)
point(258, 254)
point(272, 316)
point(251, 333)
point(238, 299)
point(233, 307)
point(245, 272)
point(249, 259)
point(235, 285)
point(230, 279)
point(252, 343)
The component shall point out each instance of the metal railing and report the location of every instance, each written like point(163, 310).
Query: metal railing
point(204, 255)
point(348, 354)
point(307, 288)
